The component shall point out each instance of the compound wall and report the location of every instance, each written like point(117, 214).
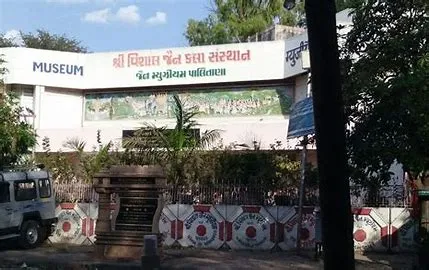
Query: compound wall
point(247, 227)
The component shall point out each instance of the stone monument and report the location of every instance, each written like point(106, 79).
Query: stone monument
point(139, 202)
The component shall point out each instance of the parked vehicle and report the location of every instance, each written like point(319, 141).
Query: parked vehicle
point(27, 207)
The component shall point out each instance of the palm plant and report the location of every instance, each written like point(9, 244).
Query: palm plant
point(79, 165)
point(172, 149)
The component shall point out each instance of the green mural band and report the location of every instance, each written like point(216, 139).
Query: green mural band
point(209, 103)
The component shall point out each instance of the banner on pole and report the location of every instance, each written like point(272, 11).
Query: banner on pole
point(301, 121)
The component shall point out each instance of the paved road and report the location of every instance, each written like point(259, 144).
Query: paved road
point(72, 257)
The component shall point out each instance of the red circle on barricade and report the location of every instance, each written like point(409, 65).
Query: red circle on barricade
point(201, 230)
point(360, 235)
point(66, 226)
point(251, 232)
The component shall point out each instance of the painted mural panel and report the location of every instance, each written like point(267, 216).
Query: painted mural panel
point(215, 103)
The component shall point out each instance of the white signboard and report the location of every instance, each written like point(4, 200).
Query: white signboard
point(184, 66)
point(43, 67)
point(242, 62)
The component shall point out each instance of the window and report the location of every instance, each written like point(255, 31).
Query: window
point(4, 192)
point(26, 98)
point(25, 190)
point(44, 188)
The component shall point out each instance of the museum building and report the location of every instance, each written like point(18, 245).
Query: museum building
point(246, 90)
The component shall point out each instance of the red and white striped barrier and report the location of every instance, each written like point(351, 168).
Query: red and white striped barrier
point(370, 230)
point(69, 228)
point(201, 227)
point(247, 227)
point(167, 226)
point(288, 227)
point(403, 230)
point(251, 227)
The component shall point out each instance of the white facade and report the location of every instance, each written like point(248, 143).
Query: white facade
point(239, 89)
point(58, 87)
point(243, 89)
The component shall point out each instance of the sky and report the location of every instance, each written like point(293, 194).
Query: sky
point(105, 25)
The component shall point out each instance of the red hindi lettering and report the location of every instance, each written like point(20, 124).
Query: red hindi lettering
point(171, 59)
point(140, 61)
point(233, 55)
point(222, 56)
point(188, 58)
point(168, 57)
point(245, 56)
point(133, 59)
point(118, 62)
point(229, 55)
point(214, 56)
point(155, 61)
point(194, 58)
point(199, 58)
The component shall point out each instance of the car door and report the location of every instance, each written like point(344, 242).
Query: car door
point(6, 210)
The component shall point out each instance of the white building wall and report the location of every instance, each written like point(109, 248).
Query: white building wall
point(60, 116)
point(57, 137)
point(265, 131)
point(301, 86)
point(233, 130)
point(61, 109)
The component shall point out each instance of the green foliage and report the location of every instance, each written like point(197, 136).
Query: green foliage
point(236, 20)
point(17, 137)
point(206, 32)
point(77, 165)
point(3, 71)
point(5, 42)
point(271, 169)
point(386, 89)
point(345, 4)
point(42, 39)
point(232, 21)
point(186, 162)
point(174, 149)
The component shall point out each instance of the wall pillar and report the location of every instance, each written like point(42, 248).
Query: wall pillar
point(39, 91)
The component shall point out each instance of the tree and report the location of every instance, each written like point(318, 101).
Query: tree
point(206, 32)
point(17, 137)
point(344, 4)
point(172, 149)
point(232, 21)
point(42, 39)
point(386, 89)
point(236, 20)
point(6, 42)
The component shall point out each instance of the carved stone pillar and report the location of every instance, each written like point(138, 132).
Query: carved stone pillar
point(137, 211)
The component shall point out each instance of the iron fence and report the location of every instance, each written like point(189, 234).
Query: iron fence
point(388, 196)
point(75, 192)
point(238, 195)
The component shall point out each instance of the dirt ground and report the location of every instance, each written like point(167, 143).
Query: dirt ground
point(78, 257)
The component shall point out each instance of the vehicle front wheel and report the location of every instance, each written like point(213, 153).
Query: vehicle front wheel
point(31, 234)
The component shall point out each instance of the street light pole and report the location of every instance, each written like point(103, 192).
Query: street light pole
point(334, 189)
point(304, 144)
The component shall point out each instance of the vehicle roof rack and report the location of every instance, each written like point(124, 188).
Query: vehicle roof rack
point(39, 166)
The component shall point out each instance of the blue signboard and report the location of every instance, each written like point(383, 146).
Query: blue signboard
point(301, 121)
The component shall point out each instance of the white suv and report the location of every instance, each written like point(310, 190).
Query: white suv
point(27, 207)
